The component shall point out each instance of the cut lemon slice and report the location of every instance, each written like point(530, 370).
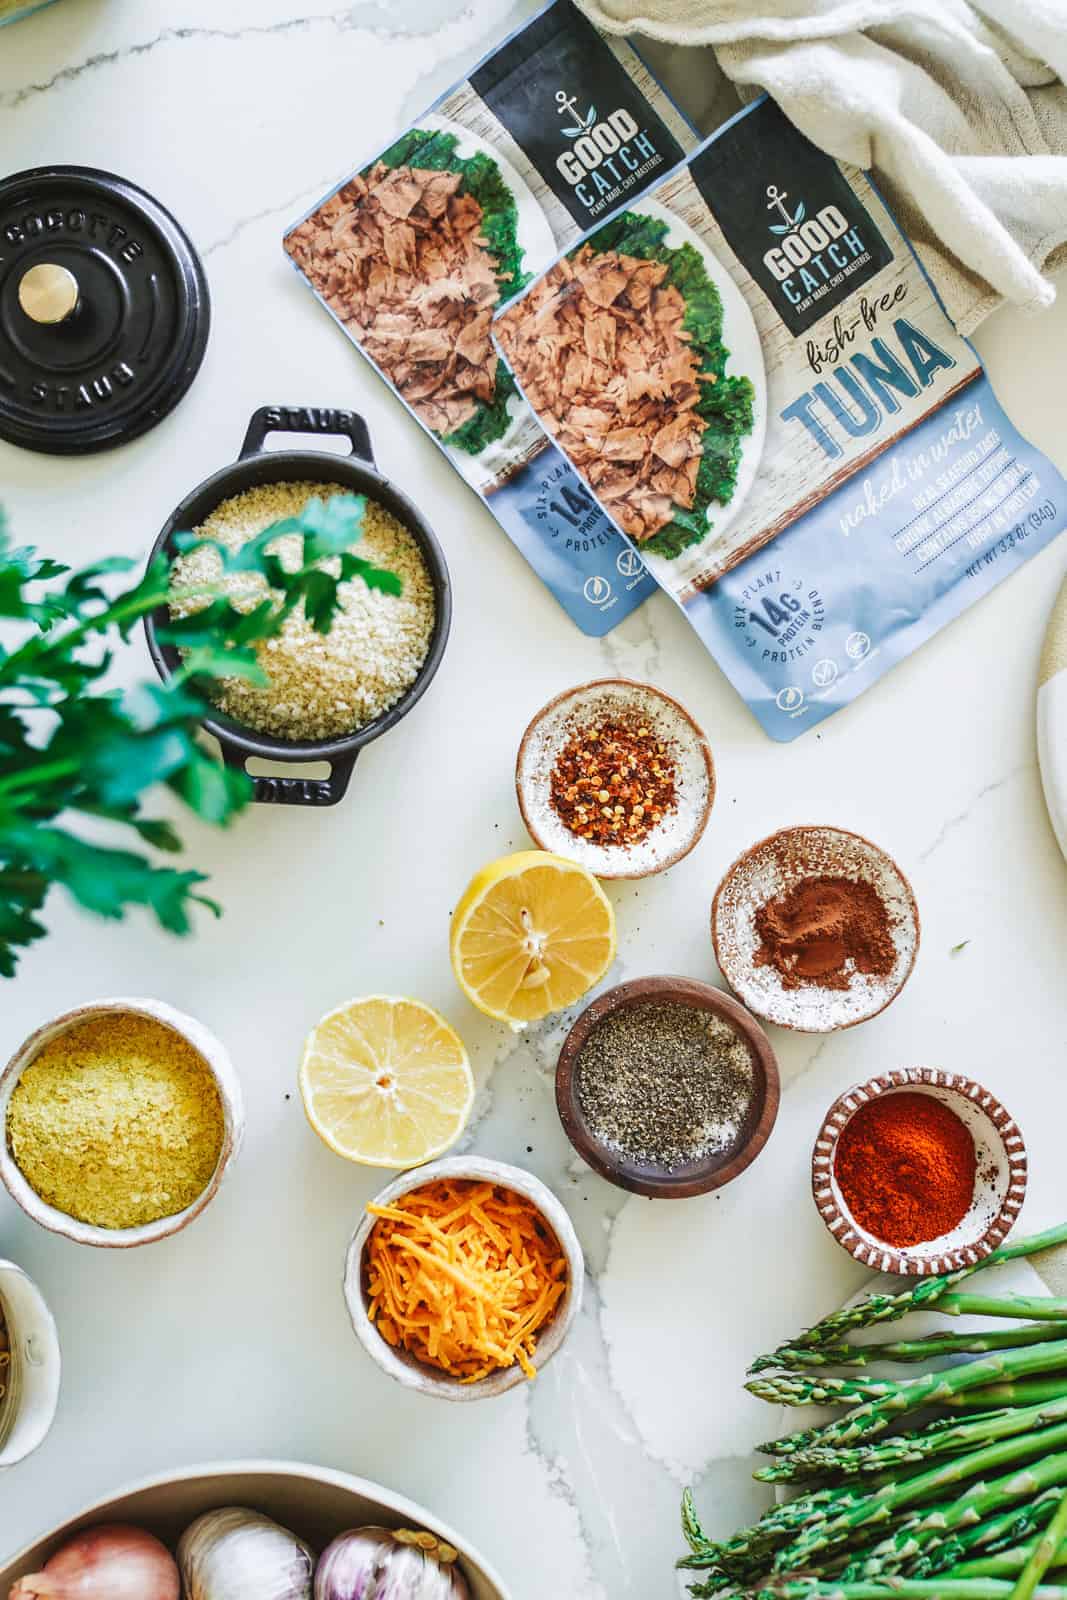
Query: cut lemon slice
point(532, 934)
point(386, 1082)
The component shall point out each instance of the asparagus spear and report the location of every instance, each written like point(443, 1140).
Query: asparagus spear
point(1026, 1392)
point(1022, 1306)
point(904, 1449)
point(890, 1307)
point(1006, 1563)
point(801, 1389)
point(980, 1498)
point(926, 1349)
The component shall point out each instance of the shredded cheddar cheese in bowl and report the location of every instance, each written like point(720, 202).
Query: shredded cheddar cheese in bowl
point(464, 1276)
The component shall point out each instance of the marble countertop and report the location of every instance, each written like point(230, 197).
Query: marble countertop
point(232, 1340)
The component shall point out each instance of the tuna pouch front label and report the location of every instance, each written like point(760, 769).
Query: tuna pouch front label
point(597, 149)
point(413, 254)
point(757, 381)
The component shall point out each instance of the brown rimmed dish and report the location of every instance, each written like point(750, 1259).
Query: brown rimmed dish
point(999, 1186)
point(772, 867)
point(623, 699)
point(707, 1172)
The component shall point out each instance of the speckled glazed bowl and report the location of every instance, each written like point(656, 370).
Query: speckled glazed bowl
point(999, 1187)
point(773, 867)
point(552, 728)
point(710, 1171)
point(415, 1374)
point(217, 1062)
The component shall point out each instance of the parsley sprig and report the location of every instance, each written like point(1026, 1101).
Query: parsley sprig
point(79, 759)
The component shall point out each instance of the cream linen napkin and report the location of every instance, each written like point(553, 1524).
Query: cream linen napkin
point(959, 109)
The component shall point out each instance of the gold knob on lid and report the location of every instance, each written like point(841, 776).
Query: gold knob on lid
point(48, 294)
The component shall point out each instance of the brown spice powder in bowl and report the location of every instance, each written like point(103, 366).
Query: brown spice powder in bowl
point(815, 928)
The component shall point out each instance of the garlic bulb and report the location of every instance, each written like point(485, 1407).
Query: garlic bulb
point(113, 1562)
point(389, 1564)
point(237, 1554)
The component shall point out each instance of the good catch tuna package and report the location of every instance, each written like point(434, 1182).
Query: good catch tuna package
point(412, 255)
point(753, 375)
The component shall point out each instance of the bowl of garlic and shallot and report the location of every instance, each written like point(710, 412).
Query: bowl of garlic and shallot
point(135, 1080)
point(448, 1219)
point(243, 1530)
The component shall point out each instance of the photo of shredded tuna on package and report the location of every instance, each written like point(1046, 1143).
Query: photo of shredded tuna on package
point(417, 251)
point(752, 373)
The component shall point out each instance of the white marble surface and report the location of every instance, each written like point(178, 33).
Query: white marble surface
point(232, 1339)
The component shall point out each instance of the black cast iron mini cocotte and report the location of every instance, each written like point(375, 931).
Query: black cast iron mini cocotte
point(354, 474)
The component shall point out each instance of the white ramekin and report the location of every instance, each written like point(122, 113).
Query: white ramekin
point(415, 1374)
point(229, 1087)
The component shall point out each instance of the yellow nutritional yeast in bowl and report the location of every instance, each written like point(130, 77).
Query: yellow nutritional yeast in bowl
point(386, 1082)
point(117, 1121)
point(531, 935)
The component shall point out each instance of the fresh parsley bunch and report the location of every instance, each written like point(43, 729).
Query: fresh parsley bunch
point(74, 752)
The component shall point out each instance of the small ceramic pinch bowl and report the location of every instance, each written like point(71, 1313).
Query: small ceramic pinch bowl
point(218, 1064)
point(999, 1185)
point(707, 1172)
point(405, 1368)
point(616, 699)
point(29, 1379)
point(773, 867)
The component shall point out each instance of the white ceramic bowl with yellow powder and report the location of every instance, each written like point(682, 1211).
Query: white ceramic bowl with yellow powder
point(119, 1120)
point(404, 1367)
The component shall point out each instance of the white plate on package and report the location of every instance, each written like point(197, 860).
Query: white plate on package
point(1014, 1277)
point(745, 360)
point(1052, 717)
point(524, 437)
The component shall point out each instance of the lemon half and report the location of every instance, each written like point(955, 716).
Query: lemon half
point(531, 935)
point(386, 1082)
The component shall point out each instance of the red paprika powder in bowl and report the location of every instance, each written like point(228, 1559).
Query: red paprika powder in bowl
point(919, 1171)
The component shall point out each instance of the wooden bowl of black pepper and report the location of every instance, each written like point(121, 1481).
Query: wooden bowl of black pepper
point(667, 1087)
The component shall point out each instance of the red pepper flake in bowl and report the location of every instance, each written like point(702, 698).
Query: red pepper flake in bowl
point(905, 1165)
point(612, 783)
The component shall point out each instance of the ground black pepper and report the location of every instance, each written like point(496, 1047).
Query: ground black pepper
point(665, 1083)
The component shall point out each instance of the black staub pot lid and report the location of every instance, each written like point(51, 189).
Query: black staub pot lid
point(104, 310)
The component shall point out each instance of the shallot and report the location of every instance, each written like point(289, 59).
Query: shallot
point(112, 1562)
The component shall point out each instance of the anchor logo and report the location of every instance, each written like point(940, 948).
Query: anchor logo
point(567, 105)
point(776, 199)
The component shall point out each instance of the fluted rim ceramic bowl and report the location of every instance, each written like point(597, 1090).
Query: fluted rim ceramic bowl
point(215, 1059)
point(999, 1186)
point(548, 733)
point(30, 1380)
point(708, 1172)
point(415, 1374)
point(772, 867)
